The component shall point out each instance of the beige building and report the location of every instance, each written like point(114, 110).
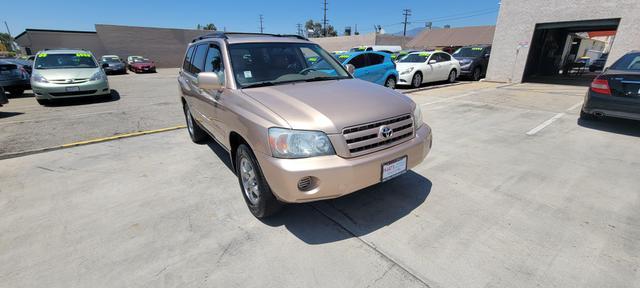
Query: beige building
point(452, 37)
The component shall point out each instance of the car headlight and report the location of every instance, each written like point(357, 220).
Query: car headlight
point(97, 76)
point(290, 144)
point(417, 117)
point(406, 71)
point(38, 78)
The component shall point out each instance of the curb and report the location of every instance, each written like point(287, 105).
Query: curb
point(409, 91)
point(89, 142)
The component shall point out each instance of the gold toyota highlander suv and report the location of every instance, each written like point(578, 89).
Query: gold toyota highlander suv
point(297, 125)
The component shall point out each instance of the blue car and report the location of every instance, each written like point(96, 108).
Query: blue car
point(371, 66)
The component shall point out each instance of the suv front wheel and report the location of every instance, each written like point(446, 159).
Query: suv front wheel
point(195, 132)
point(255, 190)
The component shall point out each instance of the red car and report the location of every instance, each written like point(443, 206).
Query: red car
point(140, 65)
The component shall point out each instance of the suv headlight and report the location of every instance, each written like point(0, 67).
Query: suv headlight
point(38, 78)
point(417, 117)
point(97, 76)
point(406, 71)
point(290, 144)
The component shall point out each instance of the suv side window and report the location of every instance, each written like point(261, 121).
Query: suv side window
point(375, 59)
point(359, 61)
point(213, 62)
point(197, 63)
point(186, 66)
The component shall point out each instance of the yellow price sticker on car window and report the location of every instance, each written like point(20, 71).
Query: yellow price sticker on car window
point(344, 56)
point(476, 49)
point(42, 55)
point(313, 59)
point(83, 55)
point(424, 54)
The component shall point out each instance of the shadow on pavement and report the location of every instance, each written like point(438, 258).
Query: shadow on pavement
point(114, 96)
point(613, 125)
point(9, 114)
point(360, 213)
point(222, 154)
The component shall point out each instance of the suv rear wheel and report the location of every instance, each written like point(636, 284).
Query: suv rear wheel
point(255, 190)
point(195, 132)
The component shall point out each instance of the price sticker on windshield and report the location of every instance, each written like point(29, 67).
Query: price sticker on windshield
point(476, 48)
point(424, 54)
point(42, 55)
point(83, 55)
point(344, 56)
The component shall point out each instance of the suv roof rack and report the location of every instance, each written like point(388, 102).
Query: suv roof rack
point(227, 35)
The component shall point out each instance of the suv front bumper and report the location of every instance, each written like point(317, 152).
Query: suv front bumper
point(335, 176)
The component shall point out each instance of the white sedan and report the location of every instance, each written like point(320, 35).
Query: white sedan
point(423, 67)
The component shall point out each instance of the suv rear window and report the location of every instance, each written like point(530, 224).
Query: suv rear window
point(629, 62)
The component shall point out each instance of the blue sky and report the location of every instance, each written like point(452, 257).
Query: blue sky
point(280, 16)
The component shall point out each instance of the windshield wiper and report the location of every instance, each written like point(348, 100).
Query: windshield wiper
point(259, 84)
point(314, 79)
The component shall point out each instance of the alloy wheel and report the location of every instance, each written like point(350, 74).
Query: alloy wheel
point(249, 180)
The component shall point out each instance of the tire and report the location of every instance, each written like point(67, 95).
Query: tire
point(416, 80)
point(43, 102)
point(254, 188)
point(390, 82)
point(477, 73)
point(197, 134)
point(452, 76)
point(16, 92)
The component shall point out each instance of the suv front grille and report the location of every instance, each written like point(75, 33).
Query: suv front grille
point(368, 138)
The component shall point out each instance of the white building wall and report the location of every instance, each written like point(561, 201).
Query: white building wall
point(517, 20)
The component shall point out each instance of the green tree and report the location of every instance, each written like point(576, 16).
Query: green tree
point(209, 26)
point(315, 29)
point(5, 41)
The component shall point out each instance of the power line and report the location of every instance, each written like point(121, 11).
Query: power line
point(261, 24)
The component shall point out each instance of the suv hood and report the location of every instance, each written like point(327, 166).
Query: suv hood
point(332, 105)
point(68, 73)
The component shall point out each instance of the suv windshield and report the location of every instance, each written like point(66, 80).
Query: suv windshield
point(629, 62)
point(414, 58)
point(471, 52)
point(261, 64)
point(62, 61)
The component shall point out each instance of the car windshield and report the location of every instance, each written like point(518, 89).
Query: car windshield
point(629, 62)
point(262, 64)
point(137, 60)
point(62, 61)
point(415, 58)
point(471, 52)
point(110, 59)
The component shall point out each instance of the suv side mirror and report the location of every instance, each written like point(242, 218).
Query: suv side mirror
point(350, 68)
point(209, 80)
point(433, 61)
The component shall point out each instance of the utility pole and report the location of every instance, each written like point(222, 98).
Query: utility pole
point(324, 19)
point(406, 13)
point(10, 37)
point(261, 24)
point(299, 29)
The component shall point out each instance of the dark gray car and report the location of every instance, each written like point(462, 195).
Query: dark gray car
point(616, 92)
point(473, 60)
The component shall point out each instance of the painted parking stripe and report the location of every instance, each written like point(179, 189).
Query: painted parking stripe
point(544, 124)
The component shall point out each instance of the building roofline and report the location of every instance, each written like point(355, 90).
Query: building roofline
point(52, 30)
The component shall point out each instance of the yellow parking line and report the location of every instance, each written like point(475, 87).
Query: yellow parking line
point(121, 136)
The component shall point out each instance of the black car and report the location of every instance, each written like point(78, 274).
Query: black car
point(616, 92)
point(113, 64)
point(598, 64)
point(14, 78)
point(473, 60)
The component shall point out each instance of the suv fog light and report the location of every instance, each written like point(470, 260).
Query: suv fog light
point(307, 183)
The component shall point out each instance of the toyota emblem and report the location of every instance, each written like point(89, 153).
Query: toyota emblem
point(385, 132)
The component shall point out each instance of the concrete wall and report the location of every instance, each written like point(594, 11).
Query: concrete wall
point(164, 46)
point(40, 40)
point(518, 18)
